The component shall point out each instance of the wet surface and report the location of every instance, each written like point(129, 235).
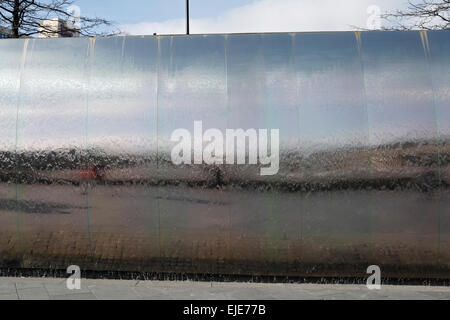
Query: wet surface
point(134, 228)
point(35, 207)
point(86, 175)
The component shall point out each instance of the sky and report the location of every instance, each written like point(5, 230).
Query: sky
point(140, 17)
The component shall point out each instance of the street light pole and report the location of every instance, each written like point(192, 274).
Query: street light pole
point(187, 16)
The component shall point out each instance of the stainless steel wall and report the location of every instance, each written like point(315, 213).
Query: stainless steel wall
point(364, 122)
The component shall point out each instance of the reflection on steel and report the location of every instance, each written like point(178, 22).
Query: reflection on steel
point(364, 120)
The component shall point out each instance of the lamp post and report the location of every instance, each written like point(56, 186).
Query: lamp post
point(187, 16)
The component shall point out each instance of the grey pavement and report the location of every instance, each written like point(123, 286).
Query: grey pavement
point(91, 289)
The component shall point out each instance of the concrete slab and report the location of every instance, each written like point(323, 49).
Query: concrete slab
point(9, 296)
point(117, 292)
point(7, 288)
point(44, 288)
point(61, 289)
point(75, 296)
point(35, 293)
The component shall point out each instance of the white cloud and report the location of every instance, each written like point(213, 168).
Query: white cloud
point(275, 16)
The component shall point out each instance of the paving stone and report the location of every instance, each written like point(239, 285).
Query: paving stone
point(29, 285)
point(9, 296)
point(338, 296)
point(437, 294)
point(38, 293)
point(43, 288)
point(292, 294)
point(153, 293)
point(324, 293)
point(398, 295)
point(192, 292)
point(8, 287)
point(75, 296)
point(116, 292)
point(61, 289)
point(368, 295)
point(250, 294)
point(285, 292)
point(198, 294)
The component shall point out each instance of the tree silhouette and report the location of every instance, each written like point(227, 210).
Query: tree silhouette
point(423, 14)
point(25, 18)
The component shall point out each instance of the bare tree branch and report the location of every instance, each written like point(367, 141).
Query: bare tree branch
point(420, 14)
point(25, 18)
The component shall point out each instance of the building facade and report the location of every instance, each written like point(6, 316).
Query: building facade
point(58, 28)
point(4, 33)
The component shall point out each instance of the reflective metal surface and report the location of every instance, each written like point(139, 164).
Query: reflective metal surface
point(364, 125)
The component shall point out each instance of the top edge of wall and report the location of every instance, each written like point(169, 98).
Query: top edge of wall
point(238, 33)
